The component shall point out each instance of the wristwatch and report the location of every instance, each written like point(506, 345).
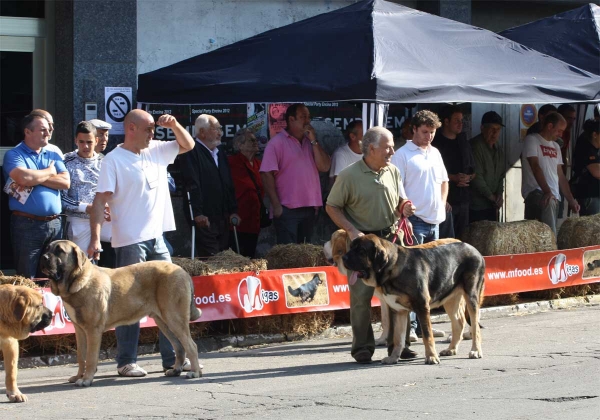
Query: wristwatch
point(313, 142)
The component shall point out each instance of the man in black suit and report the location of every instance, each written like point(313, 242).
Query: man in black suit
point(207, 178)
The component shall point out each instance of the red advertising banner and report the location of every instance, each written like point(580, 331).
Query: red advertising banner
point(279, 292)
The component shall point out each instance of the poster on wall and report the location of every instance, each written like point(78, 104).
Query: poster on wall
point(180, 112)
point(528, 117)
point(257, 122)
point(277, 118)
point(117, 103)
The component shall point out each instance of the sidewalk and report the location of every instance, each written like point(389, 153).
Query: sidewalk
point(225, 343)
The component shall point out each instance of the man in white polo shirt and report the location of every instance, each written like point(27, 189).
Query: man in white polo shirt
point(424, 176)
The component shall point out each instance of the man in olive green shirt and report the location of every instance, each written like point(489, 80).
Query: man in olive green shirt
point(366, 198)
point(488, 185)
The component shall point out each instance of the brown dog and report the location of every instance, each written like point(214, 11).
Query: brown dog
point(99, 299)
point(339, 245)
point(413, 279)
point(21, 313)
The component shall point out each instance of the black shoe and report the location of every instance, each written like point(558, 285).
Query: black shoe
point(408, 353)
point(363, 357)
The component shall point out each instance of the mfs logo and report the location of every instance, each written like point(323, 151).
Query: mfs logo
point(251, 295)
point(558, 269)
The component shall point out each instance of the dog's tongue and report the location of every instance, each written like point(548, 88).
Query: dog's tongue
point(353, 277)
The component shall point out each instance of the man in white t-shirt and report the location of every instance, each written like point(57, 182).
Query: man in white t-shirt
point(349, 153)
point(133, 181)
point(543, 178)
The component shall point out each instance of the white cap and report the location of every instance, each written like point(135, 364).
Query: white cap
point(102, 125)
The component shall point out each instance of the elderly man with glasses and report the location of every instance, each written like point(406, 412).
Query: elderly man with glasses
point(207, 179)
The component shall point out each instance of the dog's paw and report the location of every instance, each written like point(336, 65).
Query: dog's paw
point(74, 379)
point(448, 352)
point(173, 372)
point(390, 360)
point(381, 342)
point(474, 354)
point(192, 375)
point(16, 397)
point(432, 360)
point(83, 382)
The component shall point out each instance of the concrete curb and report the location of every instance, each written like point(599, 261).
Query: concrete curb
point(237, 342)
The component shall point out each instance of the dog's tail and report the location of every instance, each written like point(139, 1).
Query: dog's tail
point(294, 292)
point(195, 313)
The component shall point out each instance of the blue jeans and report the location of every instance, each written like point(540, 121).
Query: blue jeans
point(128, 335)
point(424, 232)
point(29, 238)
point(589, 206)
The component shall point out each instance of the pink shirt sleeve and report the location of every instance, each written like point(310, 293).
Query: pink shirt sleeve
point(270, 160)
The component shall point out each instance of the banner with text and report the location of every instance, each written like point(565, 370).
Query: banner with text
point(279, 292)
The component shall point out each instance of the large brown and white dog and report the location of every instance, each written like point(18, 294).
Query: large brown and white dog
point(98, 299)
point(419, 279)
point(339, 245)
point(21, 313)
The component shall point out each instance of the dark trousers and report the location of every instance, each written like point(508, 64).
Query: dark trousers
point(460, 214)
point(247, 242)
point(485, 214)
point(447, 226)
point(108, 259)
point(295, 226)
point(29, 238)
point(213, 239)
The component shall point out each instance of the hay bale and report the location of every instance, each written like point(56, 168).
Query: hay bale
point(304, 324)
point(500, 300)
point(295, 256)
point(17, 281)
point(522, 237)
point(577, 232)
point(224, 262)
point(580, 290)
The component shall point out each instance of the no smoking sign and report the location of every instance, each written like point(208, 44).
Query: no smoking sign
point(117, 105)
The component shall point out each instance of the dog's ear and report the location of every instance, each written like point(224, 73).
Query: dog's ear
point(20, 306)
point(79, 260)
point(381, 256)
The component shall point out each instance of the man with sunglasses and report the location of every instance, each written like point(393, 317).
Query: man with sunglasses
point(207, 179)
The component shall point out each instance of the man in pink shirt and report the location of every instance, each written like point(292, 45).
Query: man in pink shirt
point(290, 173)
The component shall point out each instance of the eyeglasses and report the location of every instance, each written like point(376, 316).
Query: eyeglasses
point(252, 140)
point(217, 128)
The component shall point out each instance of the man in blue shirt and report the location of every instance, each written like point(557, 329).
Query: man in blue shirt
point(35, 174)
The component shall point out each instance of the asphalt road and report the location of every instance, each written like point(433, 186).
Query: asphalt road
point(540, 366)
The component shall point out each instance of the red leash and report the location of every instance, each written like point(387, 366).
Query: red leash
point(404, 226)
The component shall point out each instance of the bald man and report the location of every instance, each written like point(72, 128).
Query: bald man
point(133, 179)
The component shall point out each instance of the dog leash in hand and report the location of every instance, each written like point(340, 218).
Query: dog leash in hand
point(94, 261)
point(404, 226)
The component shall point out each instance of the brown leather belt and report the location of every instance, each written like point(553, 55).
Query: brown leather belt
point(34, 217)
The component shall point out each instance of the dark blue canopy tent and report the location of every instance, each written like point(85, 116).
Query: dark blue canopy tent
point(371, 51)
point(573, 37)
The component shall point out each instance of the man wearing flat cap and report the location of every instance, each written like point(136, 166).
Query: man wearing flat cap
point(487, 187)
point(102, 128)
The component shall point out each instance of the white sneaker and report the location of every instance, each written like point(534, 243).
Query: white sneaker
point(131, 370)
point(413, 336)
point(438, 333)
